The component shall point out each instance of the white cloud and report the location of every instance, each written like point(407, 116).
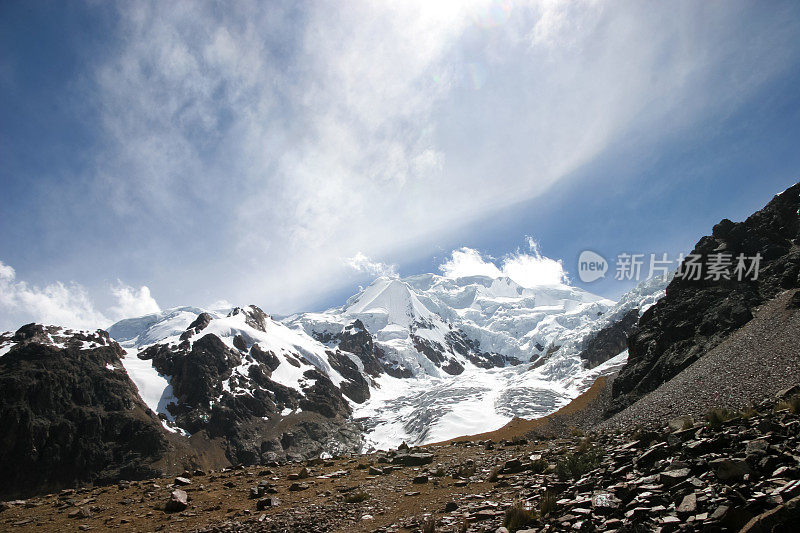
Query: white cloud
point(362, 263)
point(299, 134)
point(533, 269)
point(56, 303)
point(528, 269)
point(132, 302)
point(469, 262)
point(66, 304)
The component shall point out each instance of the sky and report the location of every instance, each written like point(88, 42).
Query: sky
point(156, 154)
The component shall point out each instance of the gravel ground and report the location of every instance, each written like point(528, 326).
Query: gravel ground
point(755, 362)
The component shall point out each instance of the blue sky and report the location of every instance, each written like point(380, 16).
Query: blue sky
point(161, 154)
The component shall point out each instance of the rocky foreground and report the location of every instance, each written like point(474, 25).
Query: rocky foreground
point(729, 472)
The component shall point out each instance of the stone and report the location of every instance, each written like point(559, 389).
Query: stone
point(266, 503)
point(419, 480)
point(413, 459)
point(512, 466)
point(80, 513)
point(178, 501)
point(688, 505)
point(756, 447)
point(605, 502)
point(294, 487)
point(651, 455)
point(673, 477)
point(731, 469)
point(375, 471)
point(182, 481)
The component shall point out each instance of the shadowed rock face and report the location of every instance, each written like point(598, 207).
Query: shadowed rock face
point(246, 409)
point(357, 340)
point(610, 341)
point(694, 316)
point(69, 413)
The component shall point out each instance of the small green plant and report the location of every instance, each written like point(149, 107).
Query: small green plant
point(688, 423)
point(574, 465)
point(356, 497)
point(539, 466)
point(718, 415)
point(518, 516)
point(547, 505)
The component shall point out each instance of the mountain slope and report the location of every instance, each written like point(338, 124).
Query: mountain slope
point(696, 315)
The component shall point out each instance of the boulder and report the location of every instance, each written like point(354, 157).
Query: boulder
point(413, 459)
point(178, 501)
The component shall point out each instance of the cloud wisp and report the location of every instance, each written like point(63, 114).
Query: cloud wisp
point(363, 264)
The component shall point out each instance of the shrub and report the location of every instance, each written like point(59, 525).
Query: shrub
point(494, 474)
point(356, 497)
point(574, 465)
point(518, 516)
point(585, 445)
point(718, 416)
point(547, 504)
point(792, 404)
point(748, 412)
point(539, 466)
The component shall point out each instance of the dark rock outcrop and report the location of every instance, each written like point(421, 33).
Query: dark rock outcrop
point(356, 387)
point(609, 341)
point(696, 315)
point(247, 410)
point(254, 316)
point(70, 413)
point(356, 339)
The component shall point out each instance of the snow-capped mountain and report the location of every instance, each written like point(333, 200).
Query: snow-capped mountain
point(433, 325)
point(418, 359)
